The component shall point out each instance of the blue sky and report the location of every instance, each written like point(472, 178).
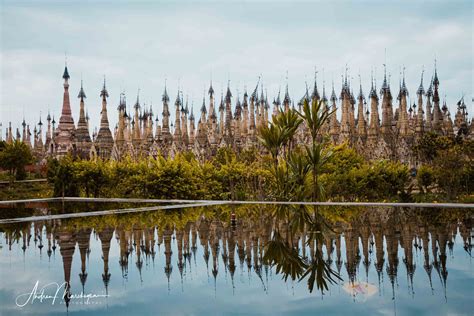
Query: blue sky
point(140, 45)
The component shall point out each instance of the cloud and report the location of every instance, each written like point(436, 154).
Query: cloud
point(138, 46)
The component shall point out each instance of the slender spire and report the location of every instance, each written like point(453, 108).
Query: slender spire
point(165, 97)
point(373, 88)
point(315, 94)
point(211, 90)
point(81, 95)
point(333, 94)
point(221, 105)
point(421, 90)
point(287, 95)
point(278, 102)
point(385, 86)
point(203, 107)
point(66, 73)
point(435, 78)
point(403, 89)
point(228, 95)
point(361, 94)
point(178, 100)
point(122, 103)
point(429, 93)
point(324, 98)
point(104, 93)
point(254, 95)
point(137, 103)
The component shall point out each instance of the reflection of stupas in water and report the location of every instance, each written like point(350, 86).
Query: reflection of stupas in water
point(167, 242)
point(402, 229)
point(105, 236)
point(67, 245)
point(83, 240)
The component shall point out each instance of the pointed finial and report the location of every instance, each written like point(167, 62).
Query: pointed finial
point(66, 73)
point(211, 90)
point(81, 95)
point(165, 97)
point(435, 79)
point(361, 95)
point(287, 95)
point(228, 95)
point(315, 94)
point(346, 69)
point(333, 94)
point(421, 90)
point(254, 94)
point(104, 92)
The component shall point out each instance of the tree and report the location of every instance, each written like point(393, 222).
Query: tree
point(315, 115)
point(449, 171)
point(62, 174)
point(14, 157)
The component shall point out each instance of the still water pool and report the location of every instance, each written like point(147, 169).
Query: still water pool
point(252, 259)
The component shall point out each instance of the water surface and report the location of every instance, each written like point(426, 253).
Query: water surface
point(232, 260)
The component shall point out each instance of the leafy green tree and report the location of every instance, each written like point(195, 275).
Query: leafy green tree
point(92, 176)
point(425, 178)
point(427, 147)
point(14, 157)
point(449, 171)
point(62, 174)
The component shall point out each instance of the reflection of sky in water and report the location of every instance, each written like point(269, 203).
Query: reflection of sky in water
point(197, 294)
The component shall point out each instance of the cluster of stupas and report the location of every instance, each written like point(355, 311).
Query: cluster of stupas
point(140, 134)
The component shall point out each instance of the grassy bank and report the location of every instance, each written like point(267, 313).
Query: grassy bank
point(25, 190)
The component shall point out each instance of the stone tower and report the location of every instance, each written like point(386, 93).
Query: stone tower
point(104, 141)
point(83, 138)
point(65, 132)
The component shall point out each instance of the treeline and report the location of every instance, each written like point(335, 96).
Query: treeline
point(346, 176)
point(182, 177)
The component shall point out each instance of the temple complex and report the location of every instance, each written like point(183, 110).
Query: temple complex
point(377, 126)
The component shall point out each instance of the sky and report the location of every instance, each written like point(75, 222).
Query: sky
point(141, 46)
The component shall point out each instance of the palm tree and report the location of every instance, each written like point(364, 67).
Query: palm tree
point(272, 138)
point(315, 115)
point(289, 121)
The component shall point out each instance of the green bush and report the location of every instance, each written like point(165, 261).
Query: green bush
point(425, 178)
point(14, 157)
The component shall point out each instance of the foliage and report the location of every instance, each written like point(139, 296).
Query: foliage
point(315, 115)
point(14, 157)
point(452, 174)
point(181, 177)
point(428, 146)
point(61, 175)
point(30, 190)
point(379, 180)
point(448, 164)
point(425, 178)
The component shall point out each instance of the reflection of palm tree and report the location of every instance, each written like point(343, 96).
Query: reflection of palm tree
point(282, 254)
